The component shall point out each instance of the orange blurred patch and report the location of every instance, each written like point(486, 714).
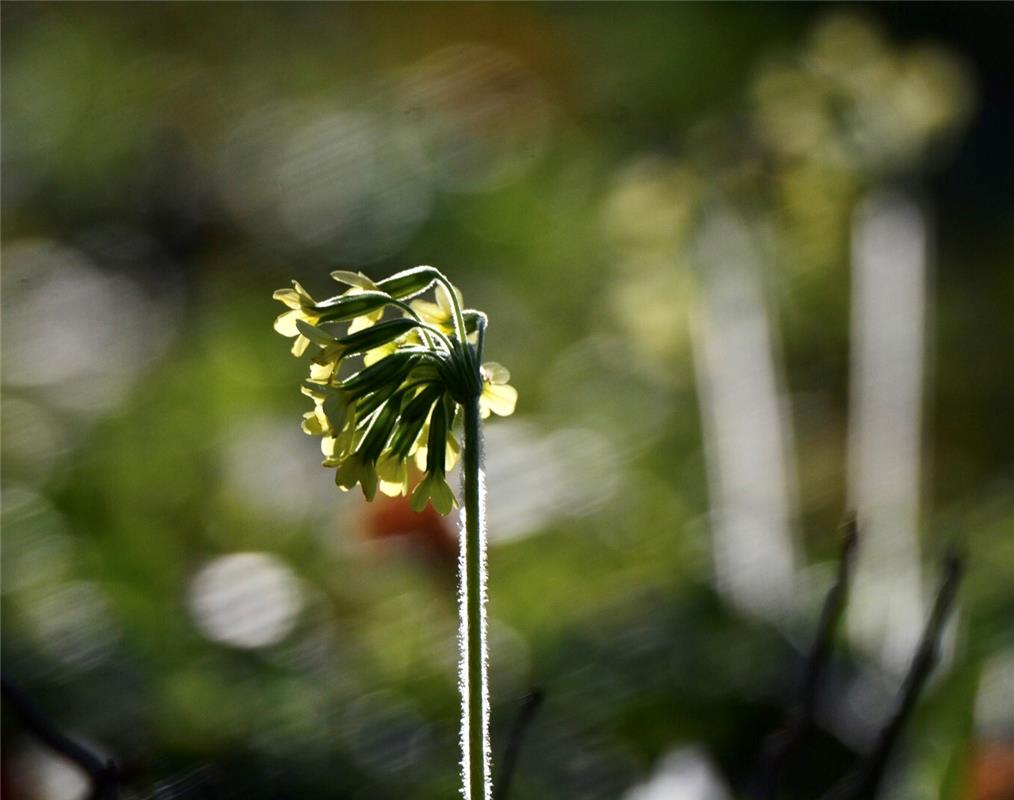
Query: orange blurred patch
point(991, 772)
point(393, 518)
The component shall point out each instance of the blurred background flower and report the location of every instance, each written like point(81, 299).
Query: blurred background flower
point(749, 265)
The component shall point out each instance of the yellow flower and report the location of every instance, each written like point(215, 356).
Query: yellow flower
point(441, 313)
point(420, 450)
point(329, 409)
point(359, 283)
point(357, 468)
point(322, 370)
point(371, 357)
point(302, 307)
point(331, 450)
point(393, 474)
point(336, 448)
point(497, 395)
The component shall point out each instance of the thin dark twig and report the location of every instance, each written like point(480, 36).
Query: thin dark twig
point(103, 774)
point(781, 742)
point(529, 705)
point(830, 616)
point(865, 781)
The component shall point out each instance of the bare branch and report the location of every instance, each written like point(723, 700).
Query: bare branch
point(864, 783)
point(529, 705)
point(781, 742)
point(103, 775)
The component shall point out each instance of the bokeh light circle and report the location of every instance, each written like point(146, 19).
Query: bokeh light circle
point(245, 600)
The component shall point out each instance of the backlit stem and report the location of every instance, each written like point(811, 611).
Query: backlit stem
point(475, 762)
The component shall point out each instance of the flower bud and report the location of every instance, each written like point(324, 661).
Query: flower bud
point(349, 306)
point(413, 417)
point(375, 336)
point(354, 279)
point(409, 282)
point(315, 334)
point(436, 444)
point(380, 430)
point(392, 369)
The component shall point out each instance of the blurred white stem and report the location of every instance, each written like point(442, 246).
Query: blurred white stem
point(885, 420)
point(746, 437)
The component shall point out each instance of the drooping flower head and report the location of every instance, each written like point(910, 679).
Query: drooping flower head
point(392, 419)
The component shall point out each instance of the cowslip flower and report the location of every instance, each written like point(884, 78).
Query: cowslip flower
point(498, 396)
point(401, 407)
point(359, 283)
point(433, 488)
point(302, 307)
point(441, 313)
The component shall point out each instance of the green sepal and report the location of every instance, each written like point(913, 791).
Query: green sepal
point(452, 376)
point(436, 444)
point(425, 372)
point(459, 373)
point(368, 482)
point(453, 414)
point(355, 469)
point(472, 318)
point(371, 402)
point(393, 368)
point(349, 306)
point(376, 335)
point(413, 417)
point(315, 334)
point(356, 279)
point(380, 431)
point(433, 488)
point(409, 282)
point(335, 407)
point(334, 402)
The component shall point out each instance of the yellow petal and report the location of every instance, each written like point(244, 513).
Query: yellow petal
point(285, 323)
point(313, 424)
point(305, 301)
point(351, 471)
point(361, 323)
point(299, 346)
point(495, 373)
point(378, 353)
point(354, 279)
point(452, 453)
point(321, 373)
point(430, 312)
point(420, 457)
point(499, 398)
point(393, 475)
point(288, 296)
point(392, 489)
point(332, 454)
point(444, 300)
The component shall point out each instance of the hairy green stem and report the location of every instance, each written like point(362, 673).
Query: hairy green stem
point(472, 567)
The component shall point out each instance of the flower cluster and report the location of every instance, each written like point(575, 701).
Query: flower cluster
point(393, 420)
